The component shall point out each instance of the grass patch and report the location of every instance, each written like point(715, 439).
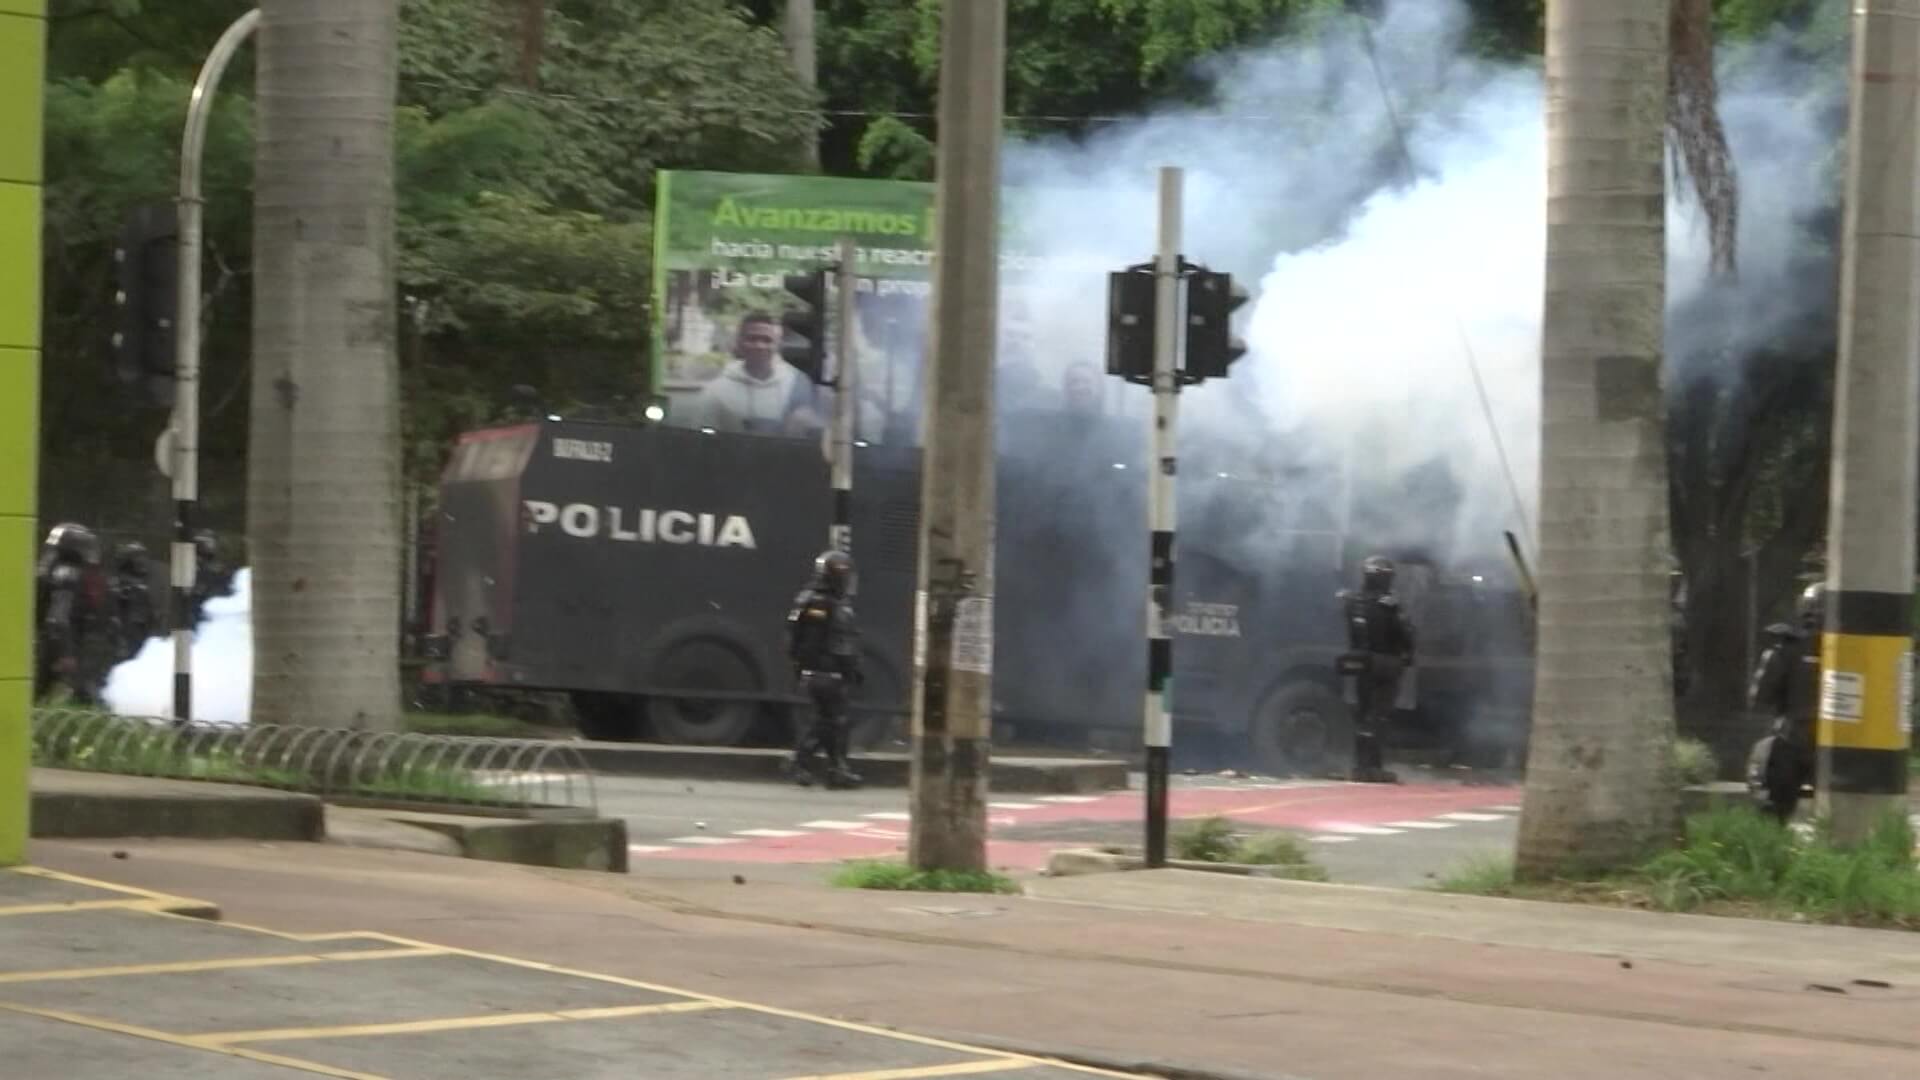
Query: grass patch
point(893, 876)
point(1214, 840)
point(1694, 763)
point(102, 742)
point(478, 725)
point(1737, 862)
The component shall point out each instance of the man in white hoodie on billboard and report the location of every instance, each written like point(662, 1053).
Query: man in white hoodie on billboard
point(757, 390)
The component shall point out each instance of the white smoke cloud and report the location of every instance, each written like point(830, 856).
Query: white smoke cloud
point(222, 666)
point(1377, 298)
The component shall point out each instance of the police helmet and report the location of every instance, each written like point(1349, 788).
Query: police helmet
point(131, 558)
point(1377, 572)
point(70, 542)
point(834, 571)
point(1812, 605)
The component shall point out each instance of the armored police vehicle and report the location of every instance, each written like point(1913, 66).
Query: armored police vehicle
point(645, 571)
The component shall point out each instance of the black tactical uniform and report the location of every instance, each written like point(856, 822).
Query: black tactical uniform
point(1380, 644)
point(823, 642)
point(132, 600)
point(71, 617)
point(1786, 687)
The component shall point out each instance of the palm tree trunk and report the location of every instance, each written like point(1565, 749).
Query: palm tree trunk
point(323, 464)
point(1598, 779)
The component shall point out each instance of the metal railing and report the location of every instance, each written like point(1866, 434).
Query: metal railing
point(517, 777)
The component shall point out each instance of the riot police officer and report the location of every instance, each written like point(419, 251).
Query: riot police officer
point(211, 576)
point(1380, 644)
point(1786, 685)
point(823, 641)
point(132, 599)
point(71, 614)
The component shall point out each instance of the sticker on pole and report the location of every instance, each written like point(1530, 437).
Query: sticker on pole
point(920, 630)
point(1842, 696)
point(973, 635)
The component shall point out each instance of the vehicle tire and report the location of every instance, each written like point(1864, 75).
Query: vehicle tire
point(606, 717)
point(689, 719)
point(1303, 728)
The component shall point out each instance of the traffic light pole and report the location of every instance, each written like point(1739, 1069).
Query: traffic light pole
point(846, 402)
point(1158, 720)
point(186, 405)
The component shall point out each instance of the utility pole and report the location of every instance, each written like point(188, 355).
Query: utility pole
point(1866, 645)
point(953, 634)
point(801, 40)
point(1158, 718)
point(186, 403)
point(846, 406)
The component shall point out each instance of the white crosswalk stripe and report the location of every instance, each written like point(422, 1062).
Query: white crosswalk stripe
point(1014, 805)
point(645, 849)
point(770, 834)
point(889, 815)
point(1328, 839)
point(833, 824)
point(1420, 824)
point(1359, 830)
point(708, 841)
point(1464, 816)
point(1068, 798)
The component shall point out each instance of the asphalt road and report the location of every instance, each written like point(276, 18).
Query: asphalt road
point(1400, 835)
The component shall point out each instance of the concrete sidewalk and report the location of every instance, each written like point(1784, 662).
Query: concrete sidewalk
point(1507, 990)
point(99, 982)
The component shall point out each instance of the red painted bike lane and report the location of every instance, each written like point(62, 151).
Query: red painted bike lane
point(1327, 808)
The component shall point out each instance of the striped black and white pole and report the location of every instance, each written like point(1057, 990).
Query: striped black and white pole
point(186, 402)
point(846, 398)
point(1160, 511)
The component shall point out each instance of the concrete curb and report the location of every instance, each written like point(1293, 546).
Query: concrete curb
point(96, 806)
point(1008, 776)
point(562, 844)
point(1072, 862)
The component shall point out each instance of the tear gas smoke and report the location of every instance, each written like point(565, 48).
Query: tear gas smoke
point(1383, 280)
point(222, 666)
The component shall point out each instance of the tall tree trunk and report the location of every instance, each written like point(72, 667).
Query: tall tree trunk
point(324, 454)
point(801, 26)
point(1599, 790)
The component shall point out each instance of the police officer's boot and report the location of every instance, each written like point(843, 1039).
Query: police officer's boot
point(840, 774)
point(799, 767)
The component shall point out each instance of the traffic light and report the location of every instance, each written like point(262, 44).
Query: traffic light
point(809, 325)
point(1212, 299)
point(146, 299)
point(1130, 299)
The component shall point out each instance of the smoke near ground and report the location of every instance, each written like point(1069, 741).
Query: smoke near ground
point(1383, 196)
point(222, 666)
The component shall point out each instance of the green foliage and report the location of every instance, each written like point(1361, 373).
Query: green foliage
point(898, 877)
point(1481, 875)
point(1739, 862)
point(1213, 840)
point(1694, 763)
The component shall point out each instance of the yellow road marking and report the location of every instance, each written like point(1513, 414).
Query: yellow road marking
point(232, 963)
point(1029, 1061)
point(52, 906)
point(695, 999)
point(128, 890)
point(190, 1042)
point(964, 1068)
point(453, 1023)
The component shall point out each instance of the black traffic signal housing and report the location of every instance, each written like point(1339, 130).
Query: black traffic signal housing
point(808, 325)
point(146, 299)
point(1130, 323)
point(1212, 348)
